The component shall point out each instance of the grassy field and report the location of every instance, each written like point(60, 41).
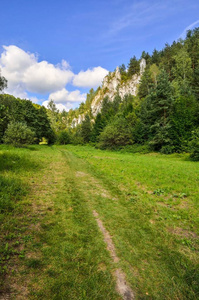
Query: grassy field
point(52, 247)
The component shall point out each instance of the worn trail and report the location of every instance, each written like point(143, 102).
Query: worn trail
point(94, 187)
point(121, 285)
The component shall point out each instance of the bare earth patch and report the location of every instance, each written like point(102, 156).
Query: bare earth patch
point(80, 174)
point(100, 190)
point(121, 285)
point(183, 232)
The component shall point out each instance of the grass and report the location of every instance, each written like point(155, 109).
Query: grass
point(52, 247)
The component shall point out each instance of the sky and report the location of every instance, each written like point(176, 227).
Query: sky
point(61, 49)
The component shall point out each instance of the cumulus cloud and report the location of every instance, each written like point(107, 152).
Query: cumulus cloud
point(59, 106)
point(24, 72)
point(90, 78)
point(64, 100)
point(28, 78)
point(63, 96)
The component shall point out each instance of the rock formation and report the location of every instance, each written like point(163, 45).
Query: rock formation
point(111, 86)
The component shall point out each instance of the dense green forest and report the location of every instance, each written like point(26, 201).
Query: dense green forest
point(164, 116)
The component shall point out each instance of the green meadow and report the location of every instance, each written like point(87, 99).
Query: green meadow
point(51, 246)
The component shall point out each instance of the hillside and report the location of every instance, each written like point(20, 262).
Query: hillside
point(153, 102)
point(113, 85)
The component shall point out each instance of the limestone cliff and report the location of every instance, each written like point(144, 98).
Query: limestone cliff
point(111, 86)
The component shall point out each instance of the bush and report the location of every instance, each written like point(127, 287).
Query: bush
point(194, 145)
point(18, 134)
point(116, 134)
point(167, 149)
point(63, 138)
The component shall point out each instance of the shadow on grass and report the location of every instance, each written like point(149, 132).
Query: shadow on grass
point(11, 190)
point(15, 162)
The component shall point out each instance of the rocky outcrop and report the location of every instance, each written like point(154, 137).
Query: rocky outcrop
point(77, 121)
point(113, 85)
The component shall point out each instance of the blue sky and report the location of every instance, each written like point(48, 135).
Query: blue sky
point(60, 49)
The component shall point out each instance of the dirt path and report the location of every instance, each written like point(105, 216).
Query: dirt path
point(121, 285)
point(94, 187)
point(62, 254)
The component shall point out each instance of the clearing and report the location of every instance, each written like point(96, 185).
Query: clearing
point(80, 223)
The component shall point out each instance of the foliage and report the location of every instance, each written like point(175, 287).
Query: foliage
point(100, 123)
point(63, 138)
point(18, 134)
point(146, 83)
point(35, 116)
point(3, 82)
point(86, 129)
point(133, 66)
point(116, 134)
point(194, 145)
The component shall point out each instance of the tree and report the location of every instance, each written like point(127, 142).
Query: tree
point(116, 134)
point(156, 57)
point(145, 84)
point(194, 145)
point(147, 57)
point(63, 138)
point(133, 66)
point(4, 119)
point(183, 118)
point(182, 70)
point(34, 115)
point(154, 123)
point(98, 127)
point(3, 83)
point(86, 129)
point(53, 115)
point(154, 73)
point(107, 108)
point(18, 134)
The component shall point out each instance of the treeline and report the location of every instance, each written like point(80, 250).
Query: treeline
point(23, 122)
point(164, 116)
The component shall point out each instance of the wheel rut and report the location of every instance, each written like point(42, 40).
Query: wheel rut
point(122, 286)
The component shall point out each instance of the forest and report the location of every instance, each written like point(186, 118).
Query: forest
point(164, 116)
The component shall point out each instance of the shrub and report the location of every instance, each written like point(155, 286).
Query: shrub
point(194, 145)
point(116, 134)
point(63, 138)
point(18, 134)
point(167, 149)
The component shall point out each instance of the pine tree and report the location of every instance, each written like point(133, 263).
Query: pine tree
point(86, 129)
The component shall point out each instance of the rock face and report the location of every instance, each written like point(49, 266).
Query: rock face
point(142, 66)
point(77, 121)
point(112, 85)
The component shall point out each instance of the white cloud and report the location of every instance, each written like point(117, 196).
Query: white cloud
point(90, 78)
point(44, 78)
point(34, 99)
point(63, 96)
point(64, 100)
point(24, 72)
point(59, 106)
point(27, 75)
